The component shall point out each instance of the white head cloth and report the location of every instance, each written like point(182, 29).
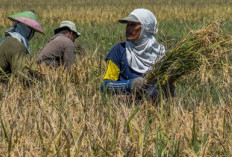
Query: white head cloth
point(143, 53)
point(22, 33)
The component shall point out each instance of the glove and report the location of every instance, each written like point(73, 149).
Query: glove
point(139, 85)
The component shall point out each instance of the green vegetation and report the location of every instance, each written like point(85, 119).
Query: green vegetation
point(66, 115)
point(200, 49)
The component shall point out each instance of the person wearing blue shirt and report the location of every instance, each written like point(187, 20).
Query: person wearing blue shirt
point(129, 61)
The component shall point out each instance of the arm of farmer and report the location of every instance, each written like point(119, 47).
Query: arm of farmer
point(111, 83)
point(69, 56)
point(167, 88)
point(16, 53)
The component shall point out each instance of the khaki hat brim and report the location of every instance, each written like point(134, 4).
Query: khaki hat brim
point(57, 30)
point(126, 19)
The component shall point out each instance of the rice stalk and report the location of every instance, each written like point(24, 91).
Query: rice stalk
point(203, 47)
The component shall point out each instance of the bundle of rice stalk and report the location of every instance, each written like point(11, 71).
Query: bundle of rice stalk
point(203, 47)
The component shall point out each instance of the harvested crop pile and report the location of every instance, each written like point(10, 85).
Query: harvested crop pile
point(203, 47)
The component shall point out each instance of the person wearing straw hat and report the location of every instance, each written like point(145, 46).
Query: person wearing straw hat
point(128, 62)
point(60, 49)
point(15, 45)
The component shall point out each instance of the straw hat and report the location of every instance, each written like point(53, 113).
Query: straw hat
point(28, 18)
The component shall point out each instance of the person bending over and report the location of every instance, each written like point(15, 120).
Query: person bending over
point(15, 45)
point(59, 51)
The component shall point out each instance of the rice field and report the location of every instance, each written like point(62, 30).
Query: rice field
point(65, 114)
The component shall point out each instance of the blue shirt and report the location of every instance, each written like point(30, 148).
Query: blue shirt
point(123, 85)
point(118, 55)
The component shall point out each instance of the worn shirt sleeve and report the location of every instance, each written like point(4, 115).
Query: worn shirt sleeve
point(115, 55)
point(111, 81)
point(112, 71)
point(68, 56)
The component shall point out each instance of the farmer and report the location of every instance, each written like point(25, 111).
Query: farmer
point(60, 49)
point(14, 46)
point(128, 62)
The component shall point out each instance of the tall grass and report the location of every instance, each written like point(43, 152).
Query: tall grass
point(65, 114)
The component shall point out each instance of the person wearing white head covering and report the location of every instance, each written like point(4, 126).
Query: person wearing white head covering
point(144, 52)
point(128, 62)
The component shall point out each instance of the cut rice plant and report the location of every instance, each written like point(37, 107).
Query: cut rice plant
point(203, 47)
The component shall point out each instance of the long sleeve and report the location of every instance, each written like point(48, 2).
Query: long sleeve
point(112, 71)
point(68, 56)
point(111, 83)
point(116, 87)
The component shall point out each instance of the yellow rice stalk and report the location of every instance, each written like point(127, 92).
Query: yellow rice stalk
point(201, 47)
